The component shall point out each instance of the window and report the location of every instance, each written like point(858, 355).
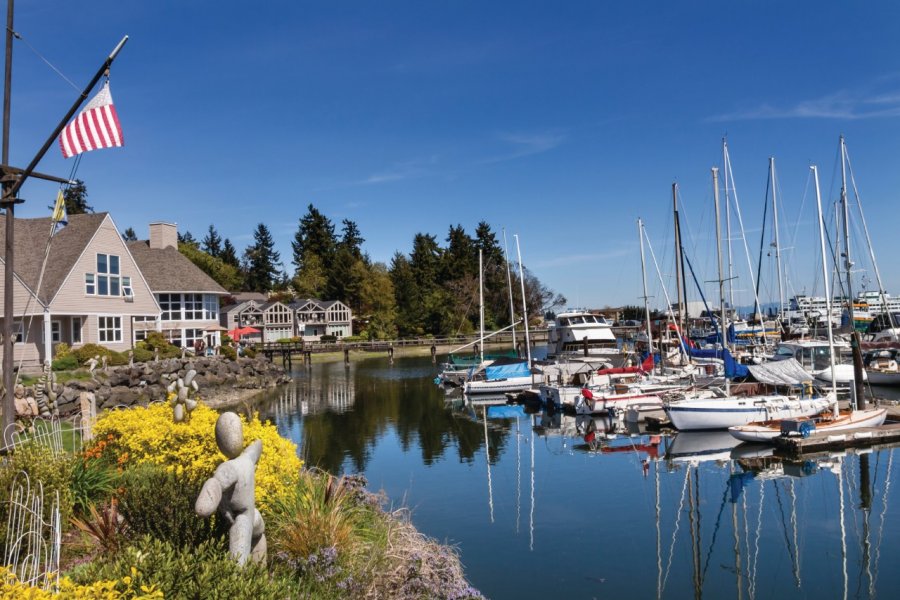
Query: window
point(127, 291)
point(211, 307)
point(193, 307)
point(76, 330)
point(90, 287)
point(140, 334)
point(191, 336)
point(109, 329)
point(108, 281)
point(55, 332)
point(171, 306)
point(18, 332)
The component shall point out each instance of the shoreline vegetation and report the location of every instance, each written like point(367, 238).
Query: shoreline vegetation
point(129, 529)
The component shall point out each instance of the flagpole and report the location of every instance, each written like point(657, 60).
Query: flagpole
point(9, 200)
point(7, 402)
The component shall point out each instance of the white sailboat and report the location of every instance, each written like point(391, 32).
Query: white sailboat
point(838, 421)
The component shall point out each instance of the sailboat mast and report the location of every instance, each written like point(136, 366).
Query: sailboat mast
point(646, 297)
point(728, 225)
point(777, 241)
point(524, 302)
point(825, 279)
point(481, 306)
point(715, 176)
point(858, 389)
point(512, 314)
point(678, 267)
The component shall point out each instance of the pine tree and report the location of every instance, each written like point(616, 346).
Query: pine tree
point(188, 238)
point(129, 235)
point(229, 254)
point(76, 199)
point(315, 233)
point(212, 243)
point(261, 261)
point(351, 238)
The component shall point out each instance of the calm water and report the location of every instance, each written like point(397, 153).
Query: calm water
point(537, 512)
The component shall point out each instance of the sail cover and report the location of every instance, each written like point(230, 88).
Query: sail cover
point(781, 372)
point(507, 370)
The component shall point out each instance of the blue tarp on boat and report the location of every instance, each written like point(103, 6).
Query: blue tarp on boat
point(507, 370)
point(733, 368)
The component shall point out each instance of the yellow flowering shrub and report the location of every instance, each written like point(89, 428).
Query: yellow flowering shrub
point(122, 589)
point(150, 435)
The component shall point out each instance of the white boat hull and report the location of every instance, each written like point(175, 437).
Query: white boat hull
point(699, 415)
point(765, 433)
point(843, 374)
point(498, 386)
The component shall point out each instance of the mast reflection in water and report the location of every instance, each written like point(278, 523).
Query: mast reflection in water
point(550, 505)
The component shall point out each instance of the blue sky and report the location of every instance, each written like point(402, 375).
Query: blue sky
point(561, 122)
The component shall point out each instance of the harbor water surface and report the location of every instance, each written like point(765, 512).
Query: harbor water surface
point(542, 506)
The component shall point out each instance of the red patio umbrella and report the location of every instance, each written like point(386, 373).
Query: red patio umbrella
point(237, 332)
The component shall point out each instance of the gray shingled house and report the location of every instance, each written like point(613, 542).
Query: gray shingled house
point(88, 290)
point(188, 298)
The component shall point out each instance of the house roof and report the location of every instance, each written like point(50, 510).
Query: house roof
point(257, 297)
point(66, 246)
point(298, 304)
point(238, 307)
point(168, 270)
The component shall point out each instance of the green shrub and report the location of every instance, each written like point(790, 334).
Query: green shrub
point(328, 339)
point(159, 503)
point(204, 571)
point(250, 352)
point(61, 350)
point(54, 471)
point(89, 351)
point(228, 352)
point(92, 482)
point(65, 363)
point(284, 340)
point(354, 338)
point(142, 353)
point(157, 341)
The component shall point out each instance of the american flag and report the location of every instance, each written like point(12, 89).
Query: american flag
point(97, 126)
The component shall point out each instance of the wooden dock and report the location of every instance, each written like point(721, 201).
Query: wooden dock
point(823, 442)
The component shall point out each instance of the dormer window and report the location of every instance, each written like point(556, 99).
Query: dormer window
point(127, 291)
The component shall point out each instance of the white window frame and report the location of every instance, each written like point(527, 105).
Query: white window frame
point(107, 275)
point(55, 331)
point(90, 284)
point(127, 290)
point(104, 329)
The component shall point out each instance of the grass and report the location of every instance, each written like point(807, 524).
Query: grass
point(71, 437)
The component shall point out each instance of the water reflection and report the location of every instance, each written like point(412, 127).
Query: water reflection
point(579, 508)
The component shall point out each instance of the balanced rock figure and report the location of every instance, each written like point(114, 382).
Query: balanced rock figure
point(231, 491)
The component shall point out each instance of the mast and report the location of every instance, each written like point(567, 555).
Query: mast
point(481, 307)
point(524, 302)
point(512, 314)
point(848, 265)
point(678, 266)
point(646, 297)
point(825, 279)
point(728, 225)
point(722, 318)
point(777, 241)
point(7, 404)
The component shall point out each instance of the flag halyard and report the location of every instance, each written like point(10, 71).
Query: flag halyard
point(97, 126)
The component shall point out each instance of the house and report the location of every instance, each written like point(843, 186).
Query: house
point(82, 285)
point(188, 298)
point(315, 318)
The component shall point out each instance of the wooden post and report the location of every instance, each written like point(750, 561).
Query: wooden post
point(391, 353)
point(346, 356)
point(433, 354)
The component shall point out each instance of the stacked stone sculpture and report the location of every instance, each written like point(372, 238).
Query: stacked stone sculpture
point(231, 491)
point(182, 403)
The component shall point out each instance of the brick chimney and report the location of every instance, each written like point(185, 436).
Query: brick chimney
point(163, 235)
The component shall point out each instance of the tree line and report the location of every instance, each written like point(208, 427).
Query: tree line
point(432, 290)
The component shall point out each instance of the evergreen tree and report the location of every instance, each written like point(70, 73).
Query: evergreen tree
point(351, 238)
point(229, 254)
point(188, 238)
point(425, 260)
point(377, 304)
point(76, 199)
point(461, 257)
point(212, 243)
point(129, 235)
point(315, 233)
point(410, 313)
point(261, 261)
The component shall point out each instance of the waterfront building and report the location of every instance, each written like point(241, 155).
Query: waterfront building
point(188, 298)
point(88, 290)
point(315, 318)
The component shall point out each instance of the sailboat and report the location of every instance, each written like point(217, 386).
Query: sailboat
point(504, 374)
point(837, 421)
point(693, 411)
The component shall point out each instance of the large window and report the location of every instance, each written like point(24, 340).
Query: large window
point(191, 336)
point(108, 279)
point(193, 307)
point(109, 329)
point(171, 306)
point(55, 332)
point(211, 307)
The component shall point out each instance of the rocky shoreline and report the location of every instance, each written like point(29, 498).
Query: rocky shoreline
point(223, 383)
